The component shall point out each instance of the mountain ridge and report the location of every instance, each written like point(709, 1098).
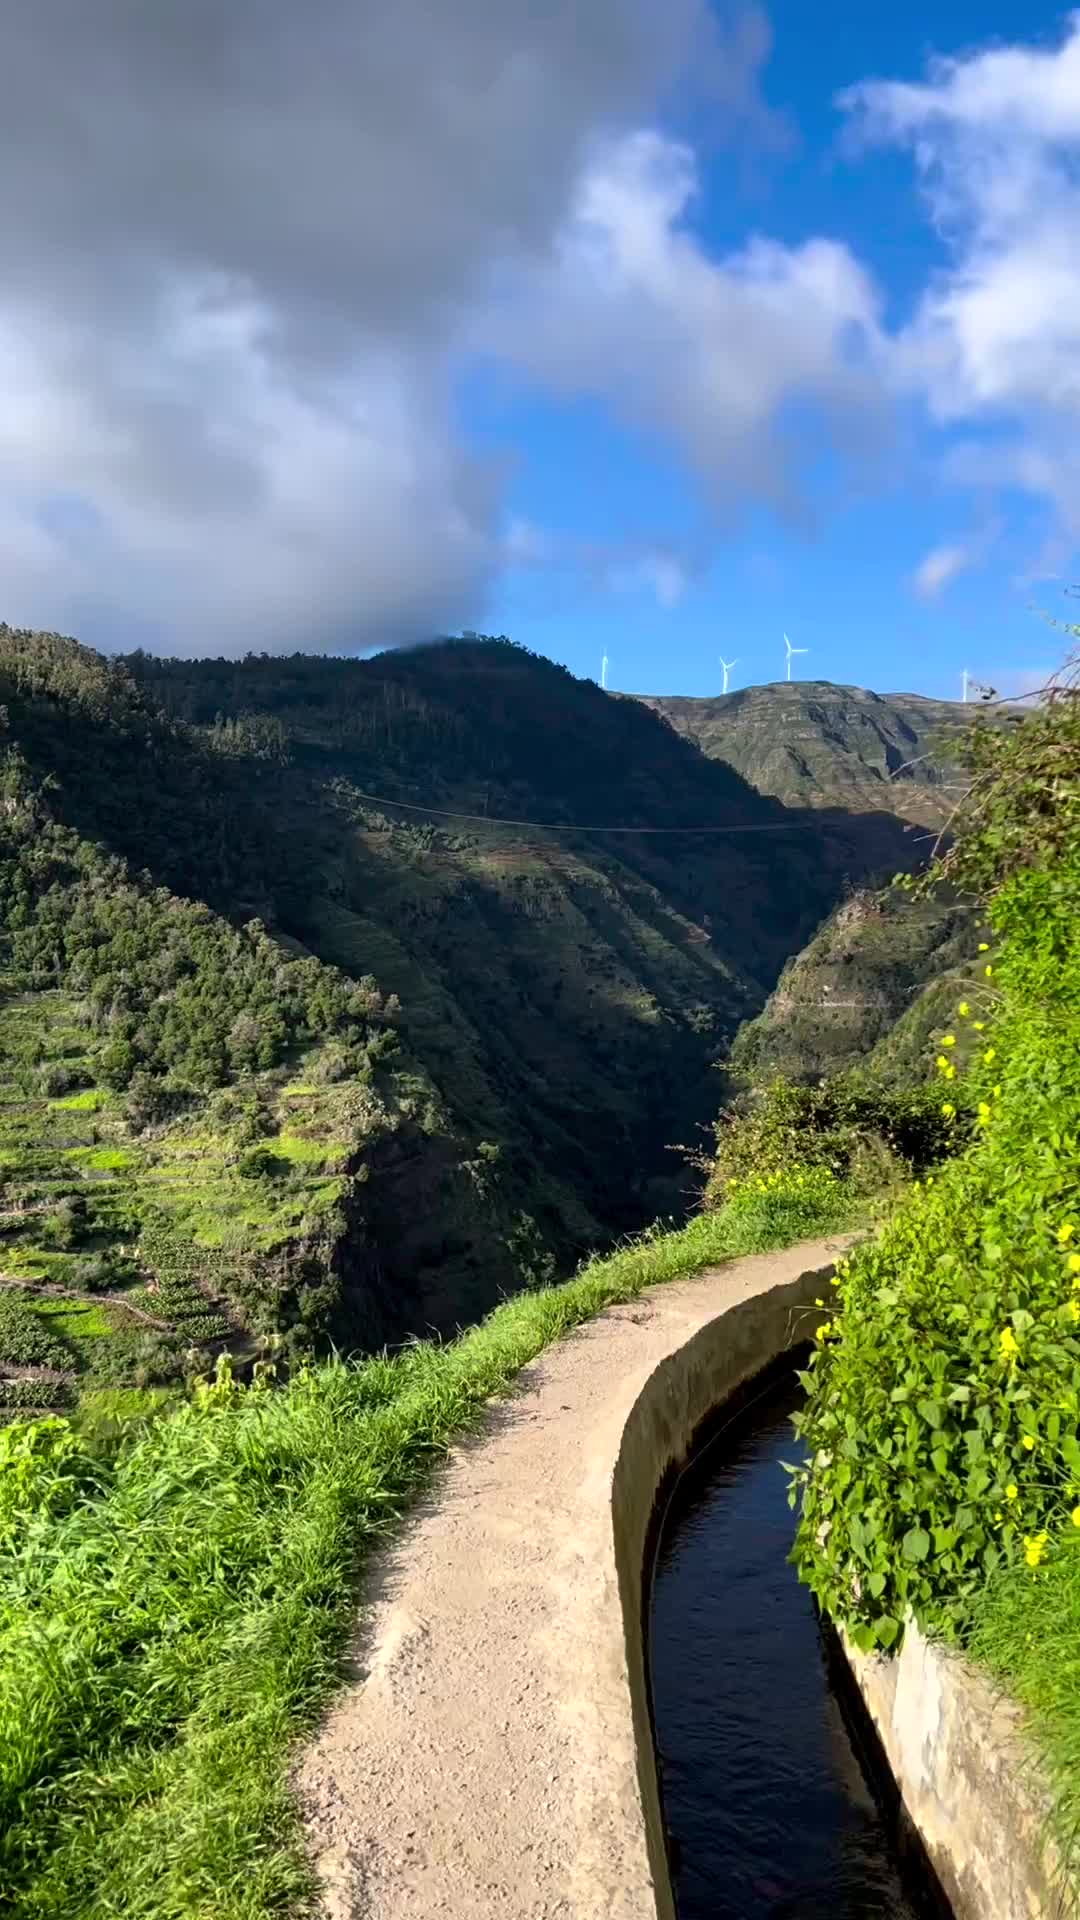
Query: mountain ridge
point(822, 743)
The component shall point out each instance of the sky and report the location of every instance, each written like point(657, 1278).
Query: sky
point(653, 332)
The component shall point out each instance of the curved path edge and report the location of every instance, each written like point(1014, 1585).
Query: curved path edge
point(491, 1751)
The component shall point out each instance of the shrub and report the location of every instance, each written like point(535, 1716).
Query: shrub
point(65, 1227)
point(25, 1340)
point(58, 1078)
point(97, 1272)
point(787, 1205)
point(942, 1423)
point(858, 1130)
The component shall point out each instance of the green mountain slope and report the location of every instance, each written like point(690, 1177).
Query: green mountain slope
point(869, 988)
point(287, 1048)
point(814, 744)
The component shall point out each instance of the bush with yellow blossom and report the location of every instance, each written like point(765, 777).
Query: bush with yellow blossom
point(942, 1421)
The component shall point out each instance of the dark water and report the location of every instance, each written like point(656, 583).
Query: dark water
point(766, 1806)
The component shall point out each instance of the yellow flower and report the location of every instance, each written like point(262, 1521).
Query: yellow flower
point(988, 971)
point(949, 1040)
point(978, 1025)
point(984, 1113)
point(963, 1009)
point(950, 1072)
point(1029, 1443)
point(929, 1179)
point(989, 1054)
point(1035, 1548)
point(1007, 1343)
point(819, 1303)
point(1012, 1490)
point(942, 1063)
point(984, 946)
point(1075, 1516)
point(1065, 1232)
point(948, 1109)
point(1073, 1263)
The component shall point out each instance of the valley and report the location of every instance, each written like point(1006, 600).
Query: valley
point(342, 997)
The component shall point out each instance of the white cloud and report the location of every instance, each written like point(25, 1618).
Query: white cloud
point(946, 562)
point(237, 249)
point(248, 249)
point(995, 342)
point(664, 575)
point(938, 568)
point(706, 354)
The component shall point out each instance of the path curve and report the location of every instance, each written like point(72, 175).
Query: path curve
point(480, 1761)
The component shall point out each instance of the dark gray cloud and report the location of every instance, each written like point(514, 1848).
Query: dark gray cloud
point(237, 243)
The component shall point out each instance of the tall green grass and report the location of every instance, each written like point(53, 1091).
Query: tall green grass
point(1027, 1634)
point(170, 1623)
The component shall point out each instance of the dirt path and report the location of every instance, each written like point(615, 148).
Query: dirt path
point(480, 1762)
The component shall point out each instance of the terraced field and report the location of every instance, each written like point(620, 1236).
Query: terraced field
point(133, 1255)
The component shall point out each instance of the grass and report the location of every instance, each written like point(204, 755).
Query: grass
point(1027, 1636)
point(167, 1637)
point(79, 1320)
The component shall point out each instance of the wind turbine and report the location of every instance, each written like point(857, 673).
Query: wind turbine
point(603, 671)
point(727, 666)
point(790, 651)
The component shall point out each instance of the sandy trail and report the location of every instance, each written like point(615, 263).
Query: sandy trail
point(478, 1762)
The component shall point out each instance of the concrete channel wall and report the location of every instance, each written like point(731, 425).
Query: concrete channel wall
point(676, 1403)
point(970, 1803)
point(968, 1784)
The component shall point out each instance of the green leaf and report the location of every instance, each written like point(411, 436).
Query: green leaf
point(916, 1544)
point(876, 1585)
point(886, 1629)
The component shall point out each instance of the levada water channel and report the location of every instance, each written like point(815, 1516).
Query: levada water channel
point(768, 1810)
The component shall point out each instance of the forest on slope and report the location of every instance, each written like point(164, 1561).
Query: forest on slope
point(289, 1048)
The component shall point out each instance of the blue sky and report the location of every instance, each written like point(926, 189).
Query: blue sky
point(842, 589)
point(652, 331)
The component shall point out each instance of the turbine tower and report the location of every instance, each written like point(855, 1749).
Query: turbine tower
point(790, 651)
point(603, 672)
point(727, 666)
